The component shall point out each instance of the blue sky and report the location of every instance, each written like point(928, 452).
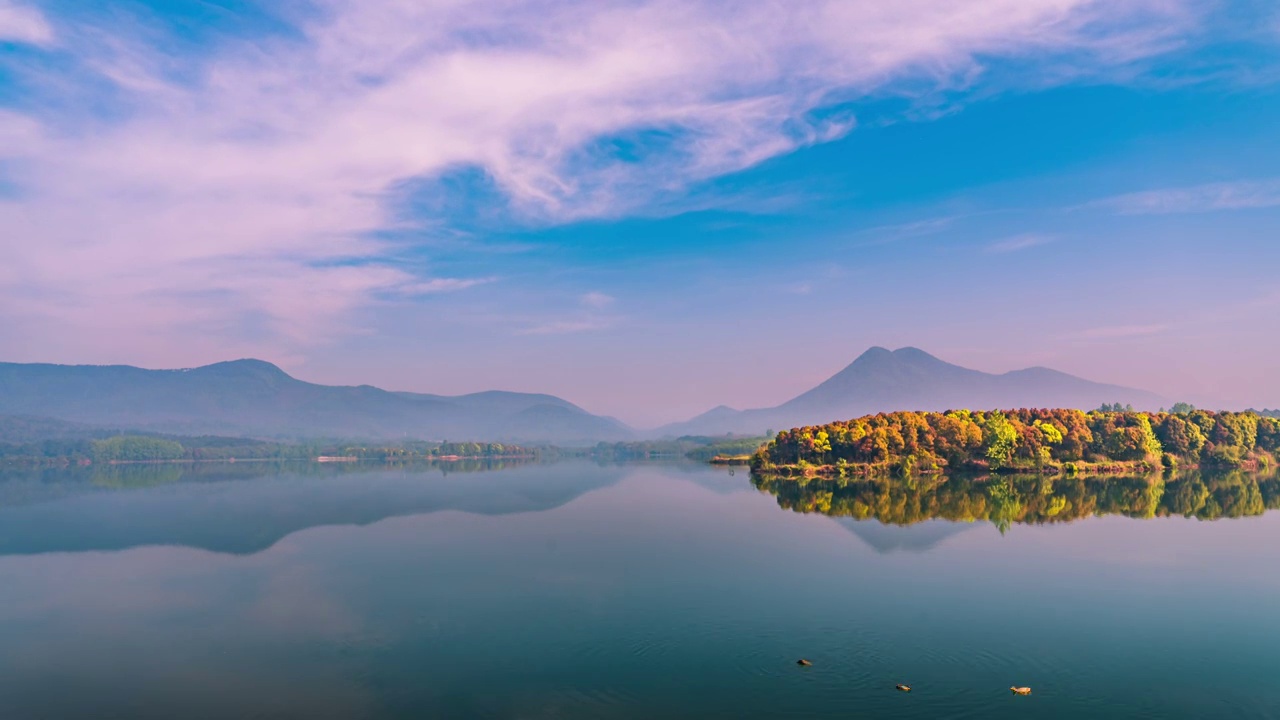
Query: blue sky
point(648, 208)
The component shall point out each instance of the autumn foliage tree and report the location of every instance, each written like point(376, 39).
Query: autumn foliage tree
point(1027, 439)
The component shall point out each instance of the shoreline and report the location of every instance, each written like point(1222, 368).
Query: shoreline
point(317, 460)
point(886, 470)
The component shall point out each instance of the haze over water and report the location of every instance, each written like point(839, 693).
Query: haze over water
point(577, 590)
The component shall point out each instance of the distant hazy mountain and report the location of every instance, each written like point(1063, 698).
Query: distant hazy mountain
point(256, 398)
point(911, 379)
point(29, 429)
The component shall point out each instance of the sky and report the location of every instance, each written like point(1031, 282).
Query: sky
point(648, 208)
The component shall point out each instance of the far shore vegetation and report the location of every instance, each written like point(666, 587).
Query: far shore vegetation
point(701, 448)
point(34, 441)
point(1112, 440)
point(139, 448)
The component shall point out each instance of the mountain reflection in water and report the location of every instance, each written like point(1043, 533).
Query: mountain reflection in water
point(244, 508)
point(580, 591)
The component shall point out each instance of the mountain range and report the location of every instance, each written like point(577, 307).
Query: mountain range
point(881, 380)
point(258, 399)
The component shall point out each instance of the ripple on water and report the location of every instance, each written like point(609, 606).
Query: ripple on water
point(855, 670)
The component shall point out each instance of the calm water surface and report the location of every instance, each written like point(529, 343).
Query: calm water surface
point(574, 590)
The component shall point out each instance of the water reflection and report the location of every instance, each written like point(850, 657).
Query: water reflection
point(1006, 500)
point(245, 508)
point(60, 480)
point(578, 591)
point(920, 537)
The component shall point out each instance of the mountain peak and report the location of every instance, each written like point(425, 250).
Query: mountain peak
point(911, 379)
point(255, 398)
point(877, 356)
point(243, 366)
point(879, 351)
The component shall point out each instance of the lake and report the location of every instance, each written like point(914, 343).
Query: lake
point(581, 590)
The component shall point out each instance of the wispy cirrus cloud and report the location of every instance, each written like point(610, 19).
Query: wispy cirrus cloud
point(897, 232)
point(1209, 197)
point(1122, 331)
point(23, 24)
point(596, 300)
point(1017, 243)
point(592, 314)
point(442, 285)
point(253, 172)
point(567, 327)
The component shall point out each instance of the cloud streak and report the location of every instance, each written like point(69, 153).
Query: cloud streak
point(235, 194)
point(568, 327)
point(596, 300)
point(23, 25)
point(1017, 243)
point(436, 286)
point(592, 315)
point(1114, 332)
point(1210, 197)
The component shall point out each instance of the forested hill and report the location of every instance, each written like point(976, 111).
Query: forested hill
point(1023, 440)
point(256, 398)
point(882, 380)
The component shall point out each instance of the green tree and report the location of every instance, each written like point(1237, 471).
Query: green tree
point(999, 439)
point(132, 448)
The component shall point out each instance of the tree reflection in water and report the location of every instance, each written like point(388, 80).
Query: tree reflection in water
point(1008, 499)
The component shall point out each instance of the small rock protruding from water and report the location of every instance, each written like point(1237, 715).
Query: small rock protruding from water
point(803, 663)
point(1020, 690)
point(903, 688)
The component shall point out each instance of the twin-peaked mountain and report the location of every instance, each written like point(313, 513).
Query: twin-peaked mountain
point(256, 398)
point(881, 380)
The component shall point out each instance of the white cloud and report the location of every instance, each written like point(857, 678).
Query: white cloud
point(591, 315)
point(442, 285)
point(1123, 331)
point(240, 188)
point(596, 300)
point(898, 232)
point(1240, 195)
point(566, 327)
point(25, 25)
point(1018, 242)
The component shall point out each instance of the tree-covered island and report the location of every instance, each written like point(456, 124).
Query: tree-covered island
point(1027, 440)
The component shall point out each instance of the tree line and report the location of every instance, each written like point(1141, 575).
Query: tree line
point(701, 448)
point(162, 448)
point(1026, 440)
